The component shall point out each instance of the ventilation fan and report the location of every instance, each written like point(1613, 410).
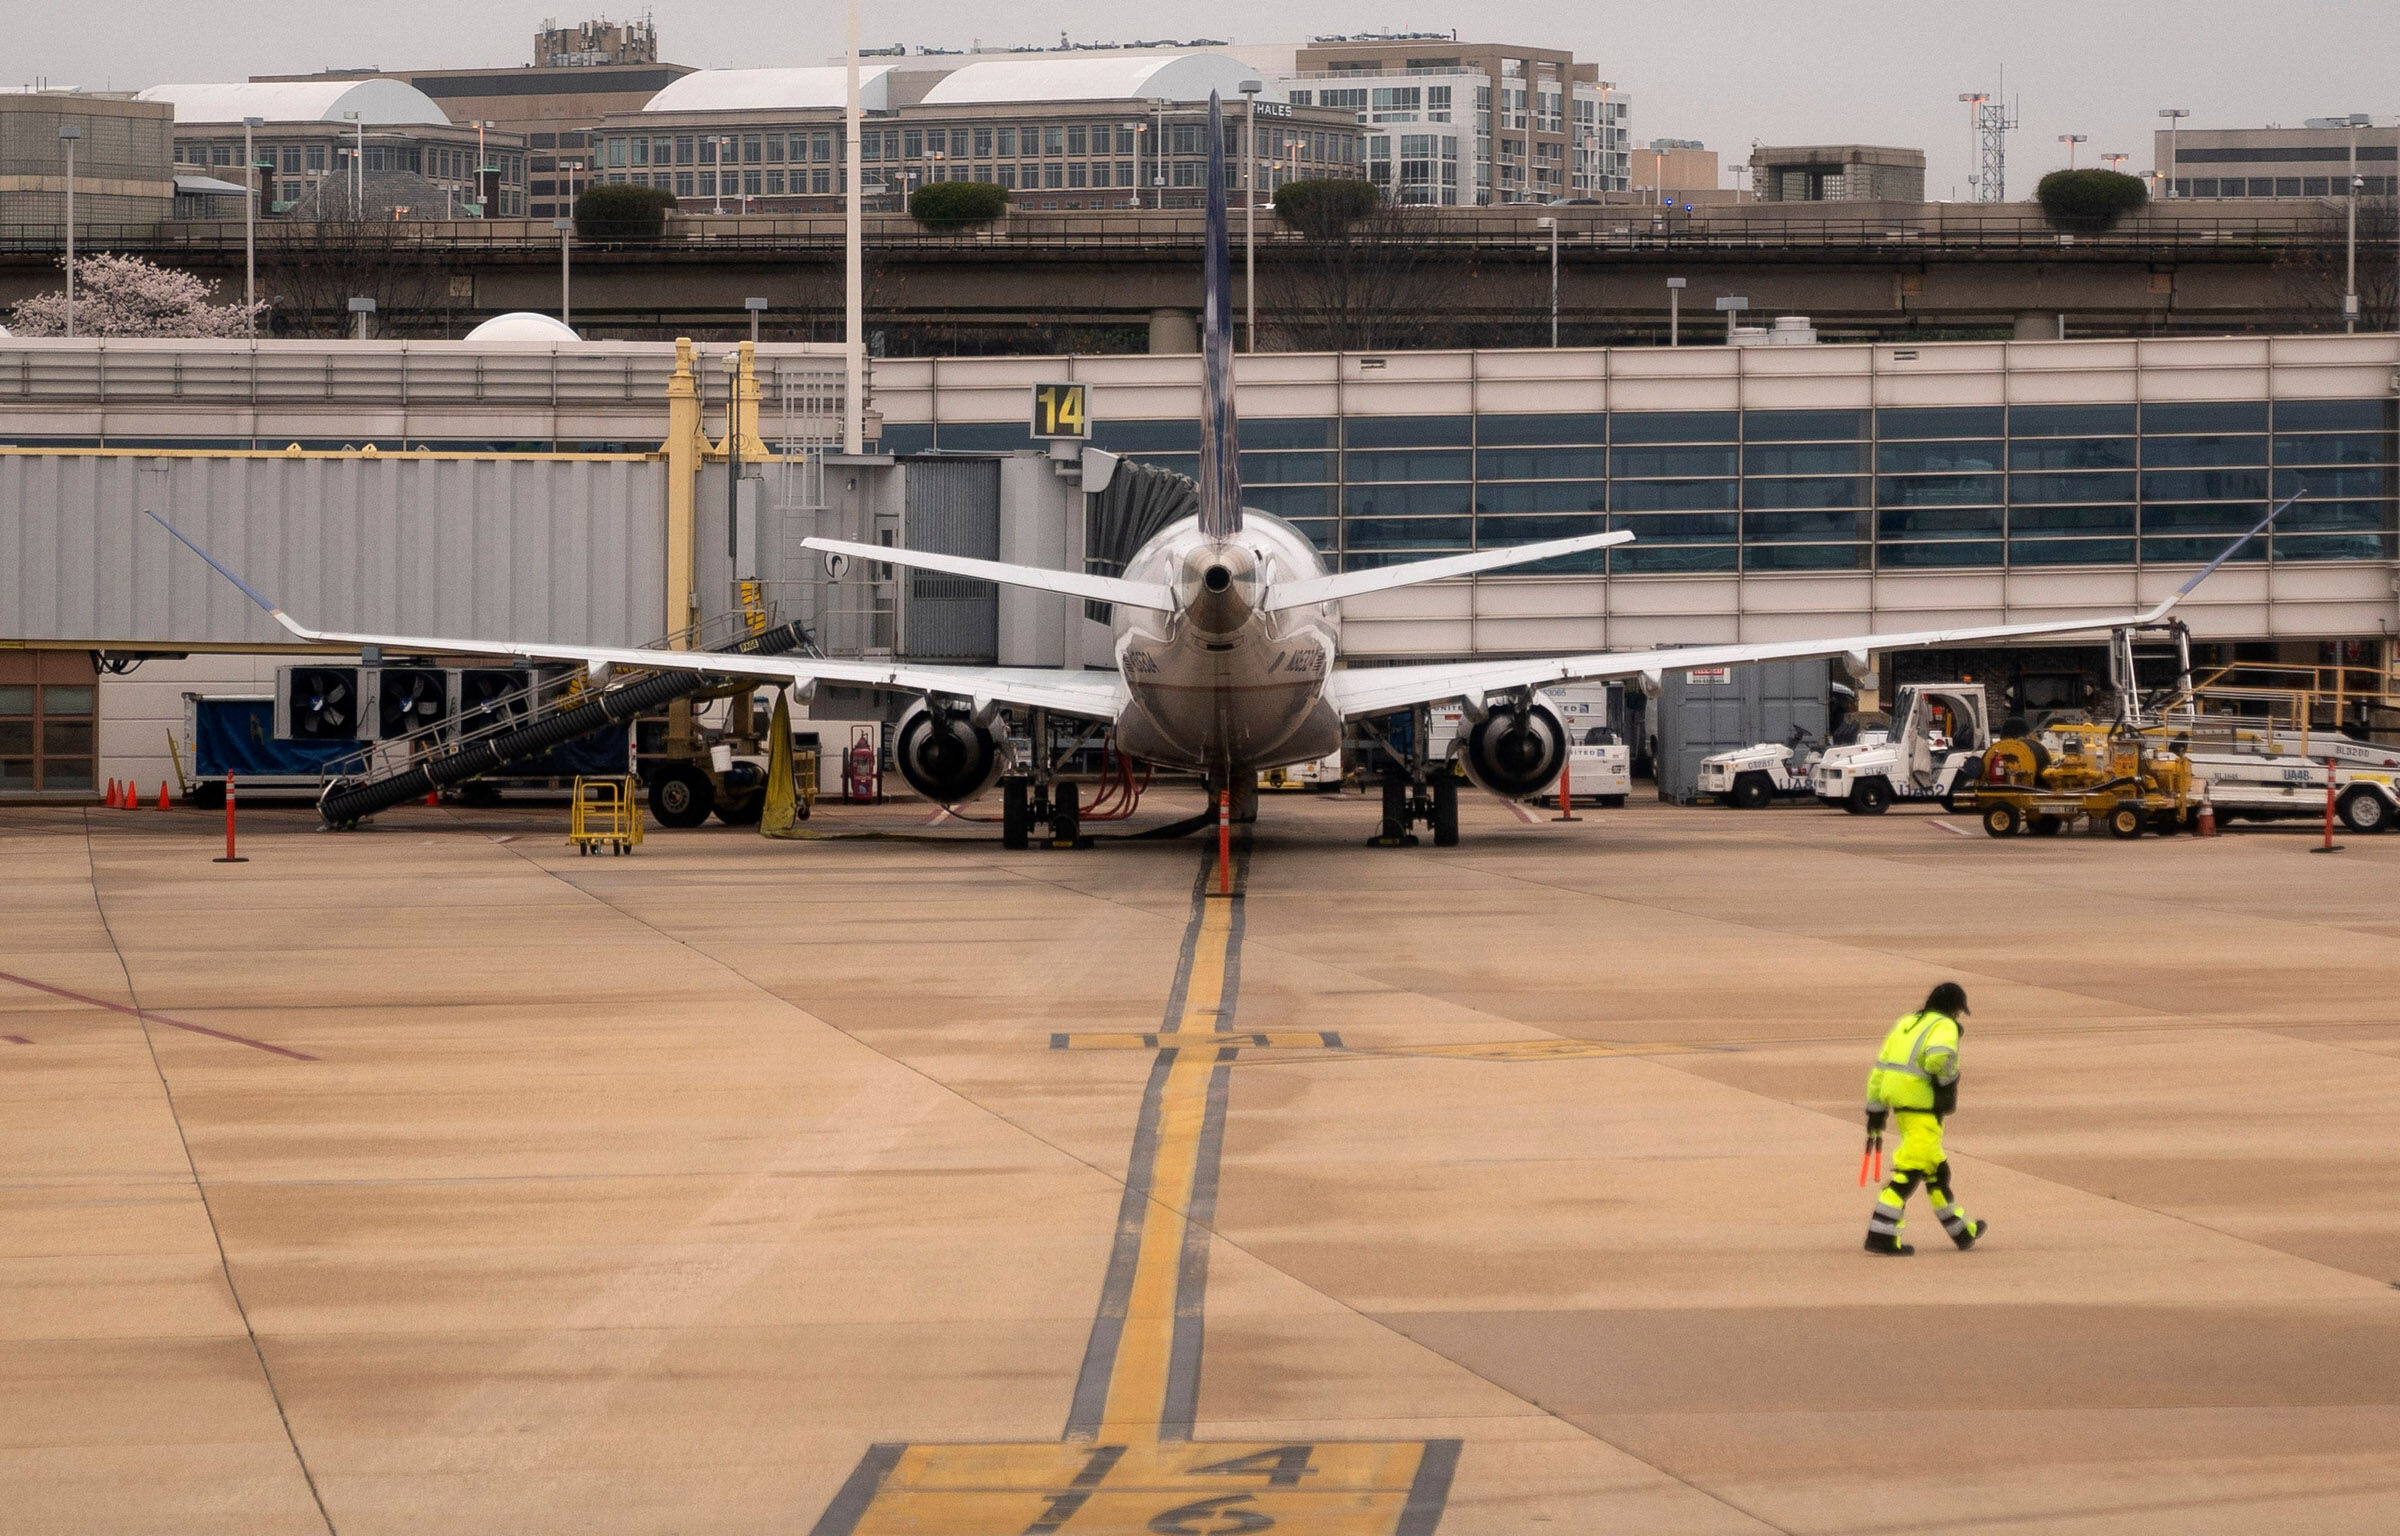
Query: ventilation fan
point(317, 704)
point(409, 700)
point(491, 696)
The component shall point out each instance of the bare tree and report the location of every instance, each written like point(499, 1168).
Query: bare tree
point(310, 273)
point(1366, 281)
point(2313, 267)
point(127, 296)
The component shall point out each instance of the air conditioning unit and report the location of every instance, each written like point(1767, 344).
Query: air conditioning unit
point(411, 699)
point(323, 704)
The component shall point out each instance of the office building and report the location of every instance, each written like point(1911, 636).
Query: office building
point(1103, 129)
point(416, 162)
point(1838, 173)
point(2310, 161)
point(580, 74)
point(123, 178)
point(1673, 167)
point(1470, 123)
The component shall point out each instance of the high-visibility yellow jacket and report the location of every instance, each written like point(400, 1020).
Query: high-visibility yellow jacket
point(1918, 1056)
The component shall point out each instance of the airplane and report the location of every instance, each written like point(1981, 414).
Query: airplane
point(1226, 629)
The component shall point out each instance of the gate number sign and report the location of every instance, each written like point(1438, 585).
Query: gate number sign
point(1061, 410)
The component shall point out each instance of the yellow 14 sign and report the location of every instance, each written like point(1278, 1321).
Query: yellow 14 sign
point(1061, 410)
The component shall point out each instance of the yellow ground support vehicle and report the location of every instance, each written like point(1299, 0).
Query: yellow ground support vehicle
point(2123, 780)
point(606, 815)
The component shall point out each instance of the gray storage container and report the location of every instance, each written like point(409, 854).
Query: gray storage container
point(1715, 709)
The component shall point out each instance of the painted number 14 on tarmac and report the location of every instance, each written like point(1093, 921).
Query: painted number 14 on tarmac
point(1345, 1488)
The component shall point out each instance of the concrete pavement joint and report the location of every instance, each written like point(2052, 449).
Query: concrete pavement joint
point(199, 1186)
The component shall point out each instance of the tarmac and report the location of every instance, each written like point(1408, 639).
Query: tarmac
point(434, 1178)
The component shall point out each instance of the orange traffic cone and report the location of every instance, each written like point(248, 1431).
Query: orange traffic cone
point(162, 794)
point(2206, 826)
point(112, 794)
point(133, 798)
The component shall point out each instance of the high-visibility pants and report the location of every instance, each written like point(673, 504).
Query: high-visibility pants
point(1919, 1159)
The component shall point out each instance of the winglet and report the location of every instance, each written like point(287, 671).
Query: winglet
point(2210, 569)
point(1220, 454)
point(248, 591)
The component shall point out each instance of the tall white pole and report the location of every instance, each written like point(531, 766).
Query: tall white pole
point(250, 222)
point(1250, 218)
point(2350, 258)
point(70, 140)
point(854, 296)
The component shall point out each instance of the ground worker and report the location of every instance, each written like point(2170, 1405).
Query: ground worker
point(1915, 1077)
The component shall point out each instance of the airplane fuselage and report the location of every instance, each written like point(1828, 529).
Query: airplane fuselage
point(1219, 685)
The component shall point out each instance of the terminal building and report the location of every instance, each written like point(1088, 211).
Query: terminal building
point(1075, 131)
point(327, 141)
point(1774, 493)
point(2317, 160)
point(580, 73)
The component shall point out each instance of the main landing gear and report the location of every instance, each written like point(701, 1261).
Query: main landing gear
point(1416, 791)
point(1410, 800)
point(1024, 806)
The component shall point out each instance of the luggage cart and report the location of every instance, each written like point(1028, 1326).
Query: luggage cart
point(606, 815)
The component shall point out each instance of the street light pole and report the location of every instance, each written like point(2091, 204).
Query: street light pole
point(2350, 260)
point(1551, 225)
point(2174, 117)
point(1674, 311)
point(854, 357)
point(358, 169)
point(250, 219)
point(566, 308)
point(68, 133)
point(1250, 90)
point(2071, 140)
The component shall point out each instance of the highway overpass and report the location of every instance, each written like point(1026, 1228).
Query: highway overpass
point(1123, 281)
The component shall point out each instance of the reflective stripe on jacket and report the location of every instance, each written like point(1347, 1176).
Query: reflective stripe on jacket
point(1919, 1054)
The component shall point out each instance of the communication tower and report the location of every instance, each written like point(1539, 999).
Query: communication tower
point(1992, 120)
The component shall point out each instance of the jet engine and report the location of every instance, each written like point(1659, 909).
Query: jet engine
point(946, 757)
point(1515, 749)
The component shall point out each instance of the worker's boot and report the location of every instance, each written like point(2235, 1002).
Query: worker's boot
point(1965, 1233)
point(1888, 1243)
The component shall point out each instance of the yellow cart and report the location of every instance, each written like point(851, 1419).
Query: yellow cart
point(607, 814)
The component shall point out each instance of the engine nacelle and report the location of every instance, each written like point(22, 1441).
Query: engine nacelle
point(1516, 752)
point(946, 757)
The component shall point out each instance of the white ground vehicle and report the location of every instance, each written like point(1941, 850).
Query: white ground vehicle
point(1749, 777)
point(1598, 771)
point(1935, 746)
point(1317, 773)
point(2262, 775)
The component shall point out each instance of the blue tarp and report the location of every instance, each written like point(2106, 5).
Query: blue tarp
point(238, 736)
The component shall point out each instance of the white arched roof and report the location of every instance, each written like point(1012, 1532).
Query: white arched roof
point(1097, 77)
point(524, 325)
point(377, 102)
point(740, 90)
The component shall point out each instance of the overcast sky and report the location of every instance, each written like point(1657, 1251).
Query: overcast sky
point(1727, 72)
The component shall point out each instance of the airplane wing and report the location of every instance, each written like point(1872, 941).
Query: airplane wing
point(1104, 589)
point(1088, 695)
point(1380, 578)
point(1379, 690)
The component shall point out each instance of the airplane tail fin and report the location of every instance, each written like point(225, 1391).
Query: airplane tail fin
point(1220, 452)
